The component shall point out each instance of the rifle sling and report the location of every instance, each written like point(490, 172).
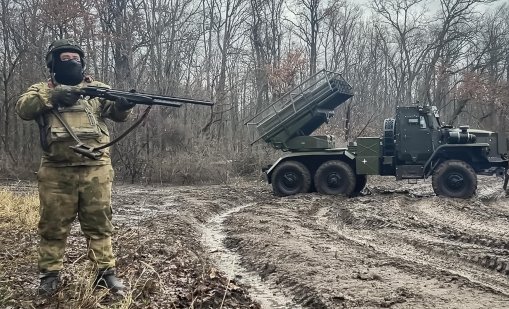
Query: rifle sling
point(91, 152)
point(132, 127)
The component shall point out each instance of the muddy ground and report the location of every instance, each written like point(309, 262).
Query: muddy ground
point(238, 246)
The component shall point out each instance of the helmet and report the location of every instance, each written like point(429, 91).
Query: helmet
point(64, 45)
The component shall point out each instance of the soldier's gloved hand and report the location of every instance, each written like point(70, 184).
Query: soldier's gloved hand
point(122, 104)
point(62, 96)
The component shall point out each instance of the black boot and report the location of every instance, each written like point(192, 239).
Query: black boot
point(106, 279)
point(49, 283)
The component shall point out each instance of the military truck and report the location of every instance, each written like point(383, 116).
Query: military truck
point(414, 145)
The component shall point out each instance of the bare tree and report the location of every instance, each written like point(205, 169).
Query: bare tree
point(227, 26)
point(309, 16)
point(481, 90)
point(455, 24)
point(266, 34)
point(409, 40)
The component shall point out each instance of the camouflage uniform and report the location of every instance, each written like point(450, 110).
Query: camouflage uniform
point(70, 184)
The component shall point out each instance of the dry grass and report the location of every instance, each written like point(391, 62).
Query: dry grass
point(18, 211)
point(18, 214)
point(78, 291)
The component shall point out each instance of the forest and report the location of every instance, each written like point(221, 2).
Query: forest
point(243, 54)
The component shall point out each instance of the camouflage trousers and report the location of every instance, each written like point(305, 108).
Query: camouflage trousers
point(67, 192)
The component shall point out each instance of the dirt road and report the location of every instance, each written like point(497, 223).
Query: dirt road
point(238, 246)
point(397, 246)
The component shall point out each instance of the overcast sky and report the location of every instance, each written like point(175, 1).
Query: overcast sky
point(434, 5)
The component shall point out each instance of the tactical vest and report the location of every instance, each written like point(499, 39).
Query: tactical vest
point(85, 121)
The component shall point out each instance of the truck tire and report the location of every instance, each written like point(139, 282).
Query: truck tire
point(291, 177)
point(335, 177)
point(360, 184)
point(454, 178)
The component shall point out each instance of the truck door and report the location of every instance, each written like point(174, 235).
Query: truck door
point(413, 139)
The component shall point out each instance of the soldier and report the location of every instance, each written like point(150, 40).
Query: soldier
point(72, 185)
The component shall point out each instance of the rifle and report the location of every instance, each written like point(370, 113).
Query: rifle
point(113, 94)
point(135, 97)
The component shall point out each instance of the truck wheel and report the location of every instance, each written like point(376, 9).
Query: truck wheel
point(360, 184)
point(291, 177)
point(335, 177)
point(454, 178)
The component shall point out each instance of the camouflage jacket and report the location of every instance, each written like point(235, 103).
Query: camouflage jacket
point(86, 118)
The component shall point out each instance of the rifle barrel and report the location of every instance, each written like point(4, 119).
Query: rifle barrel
point(157, 101)
point(178, 99)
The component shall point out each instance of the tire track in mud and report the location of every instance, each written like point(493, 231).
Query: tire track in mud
point(354, 264)
point(229, 262)
point(206, 210)
point(321, 269)
point(270, 265)
point(388, 249)
point(482, 235)
point(429, 232)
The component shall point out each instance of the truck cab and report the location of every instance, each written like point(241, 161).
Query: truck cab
point(417, 146)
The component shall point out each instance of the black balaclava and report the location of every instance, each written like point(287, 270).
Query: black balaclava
point(68, 72)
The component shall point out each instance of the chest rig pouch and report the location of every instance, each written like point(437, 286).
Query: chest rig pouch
point(80, 118)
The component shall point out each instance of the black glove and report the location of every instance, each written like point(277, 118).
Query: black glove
point(122, 104)
point(62, 96)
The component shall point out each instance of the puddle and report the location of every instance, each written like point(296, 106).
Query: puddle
point(229, 262)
